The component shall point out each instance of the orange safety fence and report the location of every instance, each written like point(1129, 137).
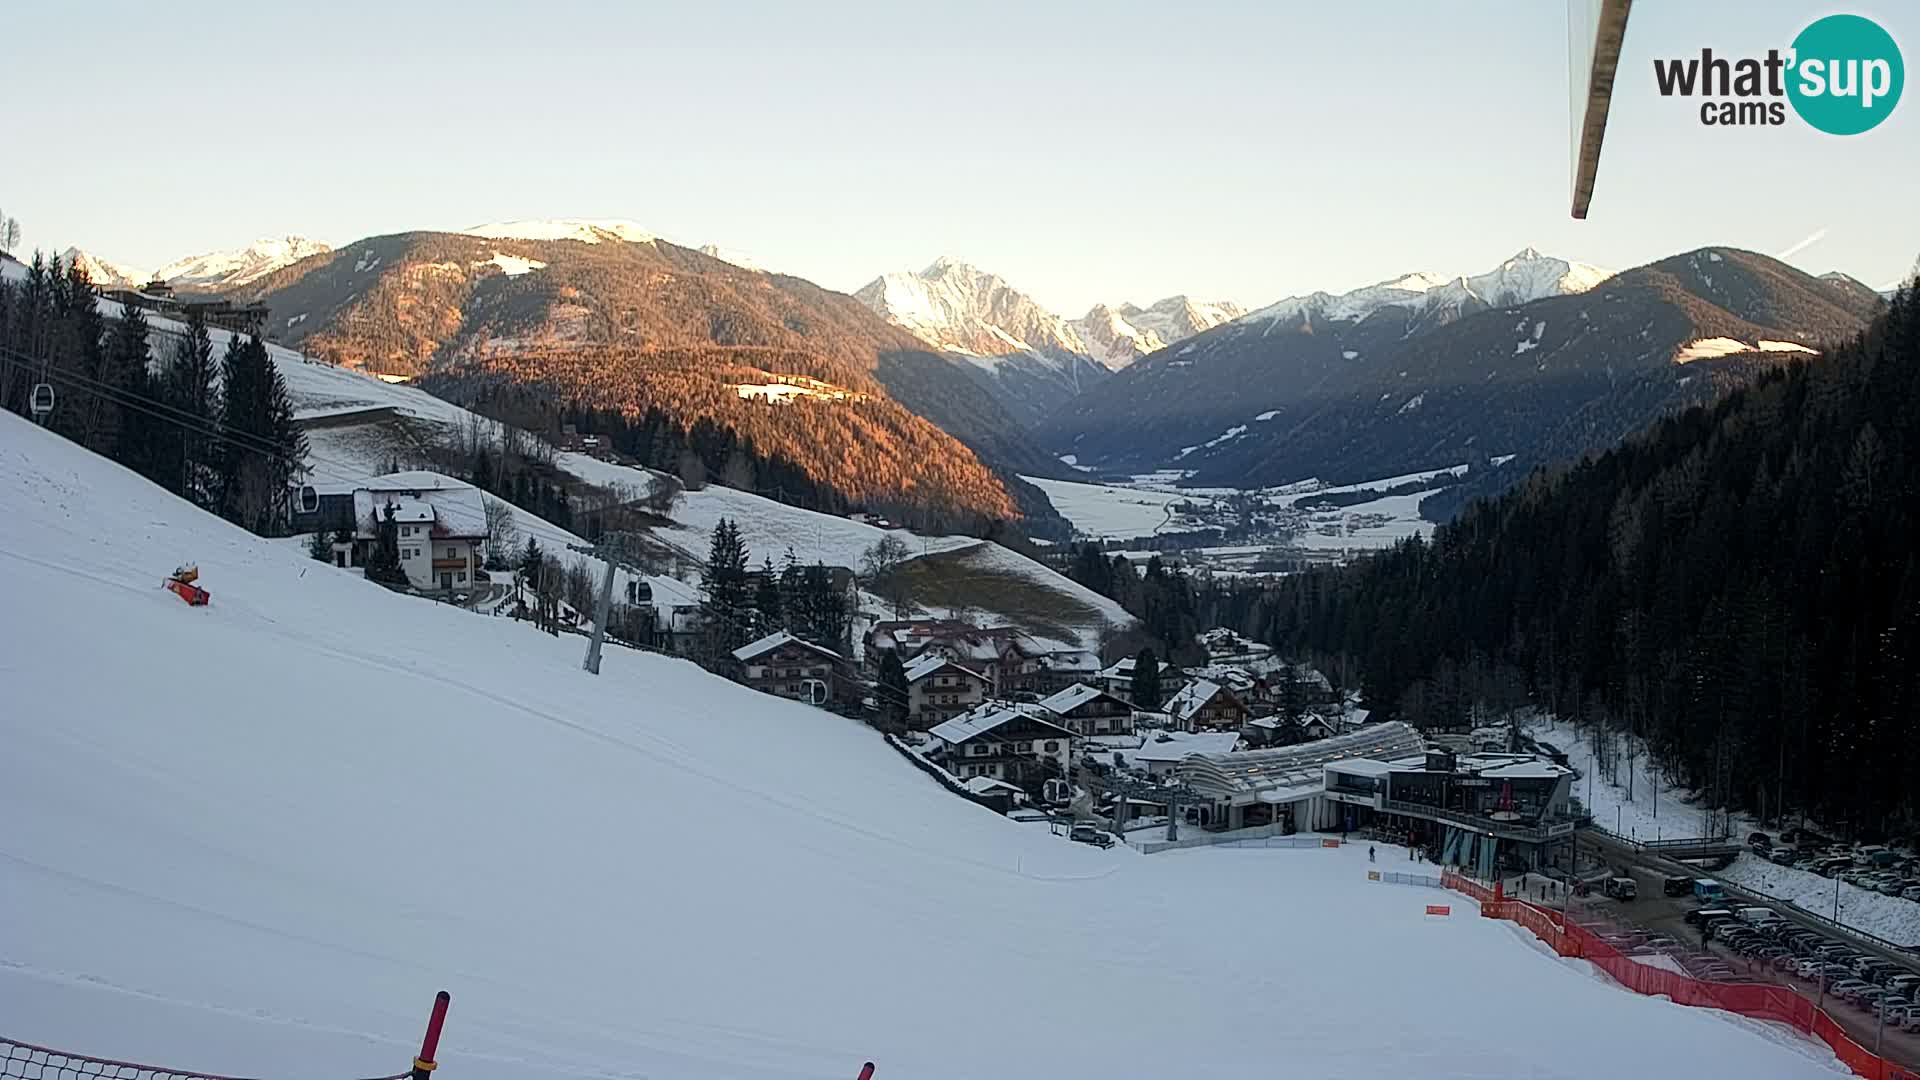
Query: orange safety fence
point(1762, 1001)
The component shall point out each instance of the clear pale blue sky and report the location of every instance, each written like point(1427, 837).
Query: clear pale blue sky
point(1086, 151)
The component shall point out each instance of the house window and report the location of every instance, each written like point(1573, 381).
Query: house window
point(451, 555)
point(460, 577)
point(978, 749)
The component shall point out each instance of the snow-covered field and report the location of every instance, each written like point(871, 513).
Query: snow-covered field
point(1678, 813)
point(768, 527)
point(1109, 512)
point(255, 837)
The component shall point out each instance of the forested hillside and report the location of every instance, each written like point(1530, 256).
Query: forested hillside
point(822, 445)
point(1740, 585)
point(635, 325)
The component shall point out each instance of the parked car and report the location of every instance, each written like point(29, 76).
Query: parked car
point(1675, 885)
point(1784, 856)
point(1847, 989)
point(1087, 833)
point(1808, 968)
point(1911, 892)
point(1759, 839)
point(1867, 964)
point(1892, 886)
point(1904, 982)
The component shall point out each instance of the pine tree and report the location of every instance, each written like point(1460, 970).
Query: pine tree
point(129, 362)
point(384, 564)
point(769, 607)
point(265, 449)
point(188, 388)
point(893, 690)
point(727, 609)
point(318, 548)
point(826, 616)
point(1146, 680)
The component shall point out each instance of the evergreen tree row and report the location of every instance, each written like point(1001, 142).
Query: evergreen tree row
point(218, 431)
point(1739, 586)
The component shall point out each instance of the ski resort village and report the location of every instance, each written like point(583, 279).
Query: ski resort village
point(814, 737)
point(1239, 609)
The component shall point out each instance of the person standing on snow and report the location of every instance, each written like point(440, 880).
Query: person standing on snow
point(1369, 852)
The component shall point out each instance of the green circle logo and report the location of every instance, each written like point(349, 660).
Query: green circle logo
point(1846, 76)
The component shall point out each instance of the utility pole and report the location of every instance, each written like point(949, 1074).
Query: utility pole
point(610, 549)
point(600, 611)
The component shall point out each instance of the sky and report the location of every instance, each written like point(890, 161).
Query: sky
point(1087, 152)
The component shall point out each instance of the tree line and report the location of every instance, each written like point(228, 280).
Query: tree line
point(1737, 586)
point(215, 429)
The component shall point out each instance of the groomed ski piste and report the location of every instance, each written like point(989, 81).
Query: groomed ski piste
point(254, 838)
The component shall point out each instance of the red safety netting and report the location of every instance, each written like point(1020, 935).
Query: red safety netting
point(1763, 1001)
point(26, 1061)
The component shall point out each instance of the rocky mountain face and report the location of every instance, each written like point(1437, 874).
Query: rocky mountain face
point(1119, 336)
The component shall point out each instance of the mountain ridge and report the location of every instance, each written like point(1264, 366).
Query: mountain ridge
point(1413, 374)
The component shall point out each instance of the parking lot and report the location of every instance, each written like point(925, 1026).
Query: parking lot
point(1662, 920)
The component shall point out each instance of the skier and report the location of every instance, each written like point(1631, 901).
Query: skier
point(1369, 852)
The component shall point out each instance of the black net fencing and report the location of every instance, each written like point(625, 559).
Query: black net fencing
point(25, 1061)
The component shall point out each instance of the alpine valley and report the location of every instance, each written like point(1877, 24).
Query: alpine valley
point(945, 395)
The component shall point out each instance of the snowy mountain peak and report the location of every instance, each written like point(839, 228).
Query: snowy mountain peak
point(228, 269)
point(101, 272)
point(585, 230)
point(1527, 276)
point(1119, 336)
point(958, 307)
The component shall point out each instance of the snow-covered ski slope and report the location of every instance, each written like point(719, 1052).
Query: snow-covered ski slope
point(254, 838)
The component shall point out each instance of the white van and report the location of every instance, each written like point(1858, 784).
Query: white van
point(1756, 916)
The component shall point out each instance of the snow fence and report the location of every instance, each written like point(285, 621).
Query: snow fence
point(26, 1061)
point(1762, 1001)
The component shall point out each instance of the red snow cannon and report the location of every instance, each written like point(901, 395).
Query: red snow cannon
point(181, 581)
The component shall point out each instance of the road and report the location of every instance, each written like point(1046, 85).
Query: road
point(1667, 915)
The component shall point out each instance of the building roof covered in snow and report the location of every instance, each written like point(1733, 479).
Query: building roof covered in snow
point(987, 785)
point(455, 509)
point(1179, 745)
point(1293, 770)
point(987, 718)
point(746, 653)
point(1065, 701)
point(1237, 679)
point(1193, 697)
point(928, 663)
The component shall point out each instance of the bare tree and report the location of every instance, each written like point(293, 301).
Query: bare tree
point(9, 233)
point(880, 567)
point(664, 495)
point(502, 534)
